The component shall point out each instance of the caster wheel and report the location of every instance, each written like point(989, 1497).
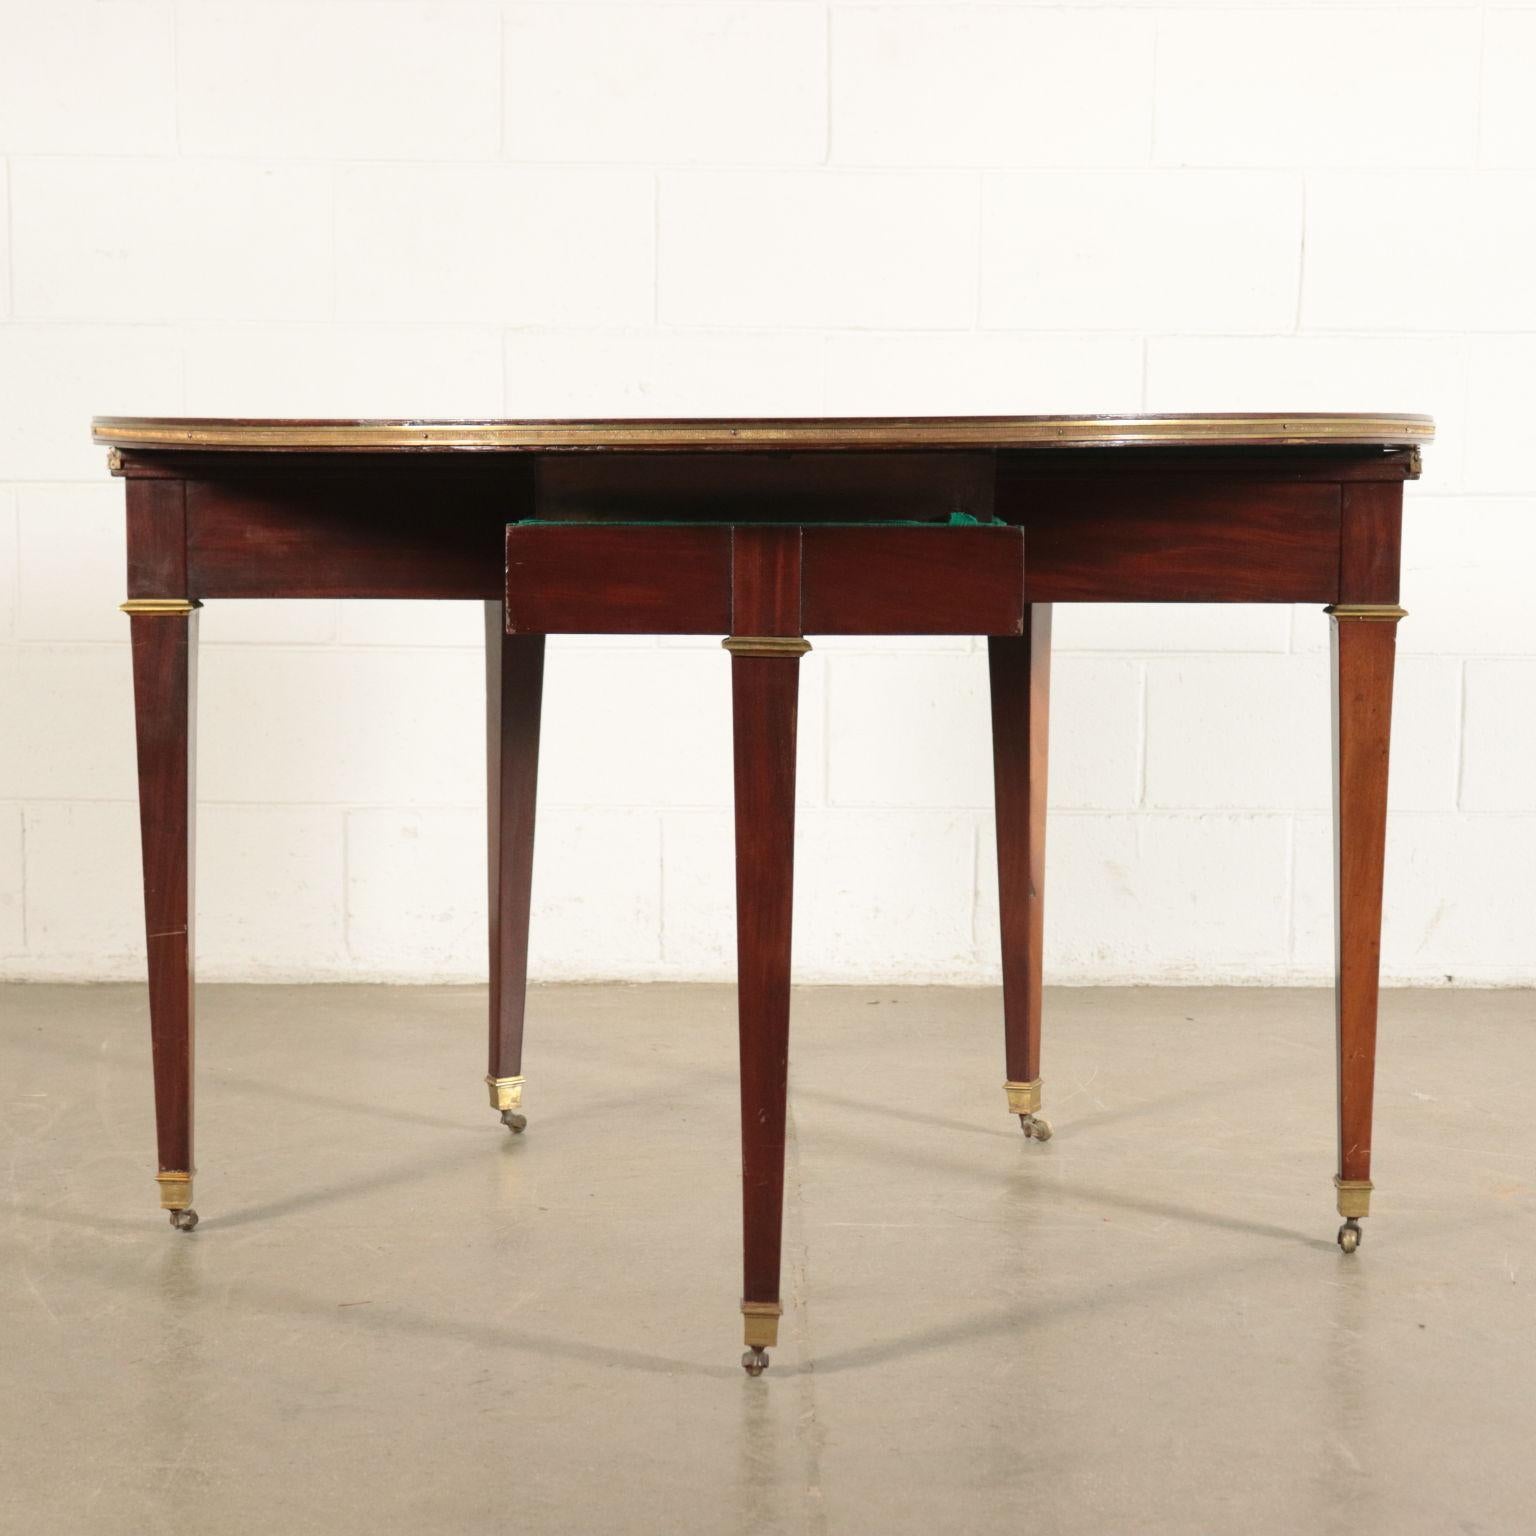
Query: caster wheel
point(184, 1221)
point(1037, 1126)
point(1349, 1235)
point(755, 1362)
point(513, 1121)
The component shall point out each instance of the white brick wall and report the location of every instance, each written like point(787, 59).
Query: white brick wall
point(772, 206)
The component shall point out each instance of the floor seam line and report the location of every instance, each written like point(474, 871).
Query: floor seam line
point(816, 1509)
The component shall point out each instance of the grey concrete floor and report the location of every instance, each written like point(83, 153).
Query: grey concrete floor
point(395, 1317)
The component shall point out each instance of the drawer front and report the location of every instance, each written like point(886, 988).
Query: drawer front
point(594, 578)
point(912, 581)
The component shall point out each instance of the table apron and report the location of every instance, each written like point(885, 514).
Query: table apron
point(1090, 539)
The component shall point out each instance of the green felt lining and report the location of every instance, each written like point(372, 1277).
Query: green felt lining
point(956, 520)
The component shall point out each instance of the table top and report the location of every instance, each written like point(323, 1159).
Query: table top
point(1250, 430)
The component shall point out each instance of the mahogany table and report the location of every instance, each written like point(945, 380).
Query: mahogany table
point(764, 531)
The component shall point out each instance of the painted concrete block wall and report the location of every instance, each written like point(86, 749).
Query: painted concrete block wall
point(401, 207)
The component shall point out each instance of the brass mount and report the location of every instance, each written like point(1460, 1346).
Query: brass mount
point(760, 1323)
point(175, 1190)
point(766, 645)
point(506, 1092)
point(1381, 613)
point(178, 606)
point(1023, 1098)
point(1354, 1197)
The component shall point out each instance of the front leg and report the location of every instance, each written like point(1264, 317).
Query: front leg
point(164, 638)
point(1020, 669)
point(514, 687)
point(1364, 643)
point(765, 679)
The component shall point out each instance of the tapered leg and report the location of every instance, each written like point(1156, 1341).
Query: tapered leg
point(1020, 668)
point(164, 689)
point(514, 685)
point(1364, 643)
point(764, 694)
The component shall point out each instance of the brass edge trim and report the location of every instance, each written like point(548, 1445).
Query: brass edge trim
point(766, 645)
point(760, 1323)
point(506, 1092)
point(1237, 429)
point(1023, 1098)
point(172, 605)
point(175, 1190)
point(1354, 1197)
point(1383, 613)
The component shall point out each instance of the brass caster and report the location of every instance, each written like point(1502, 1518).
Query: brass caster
point(755, 1361)
point(514, 1122)
point(1037, 1126)
point(185, 1220)
point(1349, 1235)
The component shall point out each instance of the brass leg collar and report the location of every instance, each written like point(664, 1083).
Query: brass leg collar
point(1354, 1197)
point(1023, 1098)
point(180, 606)
point(506, 1092)
point(760, 1323)
point(175, 1191)
point(1382, 613)
point(766, 645)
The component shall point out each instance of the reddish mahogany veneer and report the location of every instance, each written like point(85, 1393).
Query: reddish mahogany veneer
point(1249, 508)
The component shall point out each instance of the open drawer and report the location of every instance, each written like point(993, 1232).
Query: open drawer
point(837, 578)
